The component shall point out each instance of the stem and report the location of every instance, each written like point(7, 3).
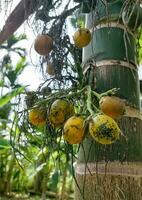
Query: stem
point(96, 94)
point(89, 100)
point(56, 95)
point(110, 92)
point(8, 175)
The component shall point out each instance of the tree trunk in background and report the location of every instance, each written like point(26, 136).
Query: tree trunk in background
point(113, 172)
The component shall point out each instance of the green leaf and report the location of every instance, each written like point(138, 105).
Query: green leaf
point(40, 167)
point(7, 97)
point(4, 144)
point(140, 51)
point(13, 39)
point(4, 112)
point(54, 181)
point(139, 47)
point(1, 83)
point(21, 64)
point(11, 76)
point(16, 174)
point(33, 173)
point(22, 37)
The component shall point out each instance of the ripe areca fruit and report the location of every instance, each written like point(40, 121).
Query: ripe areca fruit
point(73, 131)
point(112, 106)
point(43, 44)
point(60, 111)
point(104, 129)
point(37, 116)
point(82, 37)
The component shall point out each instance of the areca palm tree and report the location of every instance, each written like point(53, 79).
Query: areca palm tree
point(107, 171)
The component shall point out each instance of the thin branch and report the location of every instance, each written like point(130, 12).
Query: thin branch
point(21, 12)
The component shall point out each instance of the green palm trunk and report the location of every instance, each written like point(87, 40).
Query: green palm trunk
point(113, 172)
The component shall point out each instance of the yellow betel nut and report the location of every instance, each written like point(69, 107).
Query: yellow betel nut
point(60, 111)
point(112, 106)
point(104, 129)
point(82, 37)
point(73, 131)
point(43, 44)
point(37, 116)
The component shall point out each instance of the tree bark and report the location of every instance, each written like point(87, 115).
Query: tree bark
point(108, 172)
point(21, 12)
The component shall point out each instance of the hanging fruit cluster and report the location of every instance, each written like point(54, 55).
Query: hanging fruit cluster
point(77, 111)
point(73, 122)
point(61, 112)
point(45, 46)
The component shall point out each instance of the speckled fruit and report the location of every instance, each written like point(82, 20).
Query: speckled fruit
point(60, 111)
point(104, 129)
point(37, 116)
point(73, 131)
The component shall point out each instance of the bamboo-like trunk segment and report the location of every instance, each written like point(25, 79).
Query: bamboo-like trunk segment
point(113, 172)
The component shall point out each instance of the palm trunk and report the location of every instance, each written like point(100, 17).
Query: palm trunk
point(113, 171)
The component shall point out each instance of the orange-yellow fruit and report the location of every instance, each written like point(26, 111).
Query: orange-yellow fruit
point(73, 131)
point(37, 116)
point(82, 37)
point(104, 129)
point(43, 44)
point(60, 111)
point(50, 69)
point(112, 106)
